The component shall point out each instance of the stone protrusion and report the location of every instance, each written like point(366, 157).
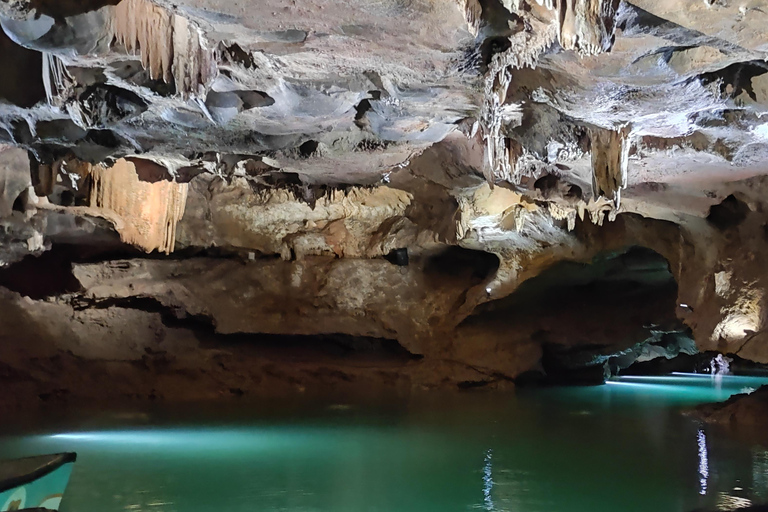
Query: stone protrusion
point(56, 80)
point(148, 213)
point(473, 12)
point(587, 26)
point(610, 153)
point(171, 48)
point(500, 152)
point(584, 26)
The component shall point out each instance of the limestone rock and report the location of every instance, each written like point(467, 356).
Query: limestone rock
point(389, 174)
point(741, 411)
point(146, 213)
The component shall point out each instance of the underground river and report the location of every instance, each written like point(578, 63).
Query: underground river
point(622, 446)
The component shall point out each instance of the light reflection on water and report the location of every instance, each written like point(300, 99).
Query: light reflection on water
point(488, 481)
point(701, 437)
point(624, 446)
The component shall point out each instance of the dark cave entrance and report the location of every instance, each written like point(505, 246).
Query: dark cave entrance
point(595, 319)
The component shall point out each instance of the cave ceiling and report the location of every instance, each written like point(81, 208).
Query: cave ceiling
point(343, 92)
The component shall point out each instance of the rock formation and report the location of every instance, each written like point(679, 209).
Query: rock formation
point(745, 414)
point(205, 198)
point(146, 213)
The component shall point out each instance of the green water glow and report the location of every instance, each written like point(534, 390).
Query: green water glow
point(619, 447)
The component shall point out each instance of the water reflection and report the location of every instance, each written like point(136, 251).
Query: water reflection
point(726, 501)
point(551, 450)
point(760, 473)
point(488, 481)
point(703, 462)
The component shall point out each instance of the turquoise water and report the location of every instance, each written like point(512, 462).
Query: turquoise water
point(623, 447)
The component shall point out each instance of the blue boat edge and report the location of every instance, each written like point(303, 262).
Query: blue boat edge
point(35, 483)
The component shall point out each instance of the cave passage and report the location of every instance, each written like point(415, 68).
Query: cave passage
point(638, 277)
point(594, 319)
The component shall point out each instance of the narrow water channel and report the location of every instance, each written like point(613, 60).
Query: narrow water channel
point(624, 446)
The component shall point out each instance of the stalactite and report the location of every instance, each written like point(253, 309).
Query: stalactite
point(587, 26)
point(473, 12)
point(56, 79)
point(496, 165)
point(584, 26)
point(171, 48)
point(610, 155)
point(521, 214)
point(524, 49)
point(571, 220)
point(561, 212)
point(597, 217)
point(149, 212)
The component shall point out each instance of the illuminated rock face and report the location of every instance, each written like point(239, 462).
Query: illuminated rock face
point(392, 173)
point(146, 214)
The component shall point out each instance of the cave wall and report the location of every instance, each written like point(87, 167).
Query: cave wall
point(482, 314)
point(192, 193)
point(470, 309)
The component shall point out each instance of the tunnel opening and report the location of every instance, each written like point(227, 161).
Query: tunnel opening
point(591, 320)
point(40, 277)
point(59, 9)
point(728, 214)
point(456, 262)
point(308, 149)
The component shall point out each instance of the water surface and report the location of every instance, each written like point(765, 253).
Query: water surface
point(623, 447)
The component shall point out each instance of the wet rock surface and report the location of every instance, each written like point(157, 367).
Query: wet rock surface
point(746, 414)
